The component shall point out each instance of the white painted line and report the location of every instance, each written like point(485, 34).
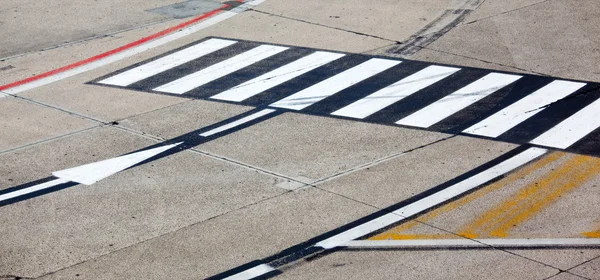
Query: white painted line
point(168, 62)
point(523, 109)
point(475, 243)
point(31, 189)
point(335, 84)
point(252, 272)
point(572, 129)
point(395, 92)
point(278, 76)
point(136, 50)
point(433, 200)
point(220, 69)
point(238, 122)
point(458, 100)
point(91, 173)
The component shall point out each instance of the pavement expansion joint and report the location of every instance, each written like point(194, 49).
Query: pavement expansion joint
point(326, 26)
point(504, 13)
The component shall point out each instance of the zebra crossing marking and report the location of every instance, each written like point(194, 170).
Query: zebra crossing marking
point(505, 106)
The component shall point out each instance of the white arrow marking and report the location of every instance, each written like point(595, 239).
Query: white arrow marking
point(94, 172)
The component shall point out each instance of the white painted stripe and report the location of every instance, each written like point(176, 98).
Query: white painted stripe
point(220, 69)
point(335, 84)
point(395, 92)
point(238, 122)
point(571, 130)
point(136, 50)
point(252, 272)
point(168, 62)
point(32, 189)
point(458, 100)
point(91, 173)
point(278, 76)
point(523, 109)
point(432, 200)
point(475, 243)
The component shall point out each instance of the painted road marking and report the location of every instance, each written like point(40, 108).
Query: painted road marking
point(163, 64)
point(237, 123)
point(252, 272)
point(131, 49)
point(533, 198)
point(458, 100)
point(398, 232)
point(572, 129)
point(335, 84)
point(523, 109)
point(32, 189)
point(446, 99)
point(91, 173)
point(433, 200)
point(278, 76)
point(220, 69)
point(395, 92)
point(531, 243)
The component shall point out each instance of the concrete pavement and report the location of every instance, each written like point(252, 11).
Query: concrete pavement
point(268, 185)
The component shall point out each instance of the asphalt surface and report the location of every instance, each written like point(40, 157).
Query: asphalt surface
point(300, 140)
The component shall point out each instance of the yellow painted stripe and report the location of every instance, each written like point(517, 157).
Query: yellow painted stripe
point(534, 198)
point(592, 234)
point(396, 232)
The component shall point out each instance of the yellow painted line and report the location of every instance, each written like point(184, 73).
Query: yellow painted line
point(534, 198)
point(592, 234)
point(396, 232)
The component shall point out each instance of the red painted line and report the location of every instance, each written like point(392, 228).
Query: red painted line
point(117, 50)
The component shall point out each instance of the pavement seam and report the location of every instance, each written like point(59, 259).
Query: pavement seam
point(168, 233)
point(576, 266)
point(85, 40)
point(444, 230)
point(488, 62)
point(326, 26)
point(378, 161)
point(503, 13)
point(51, 139)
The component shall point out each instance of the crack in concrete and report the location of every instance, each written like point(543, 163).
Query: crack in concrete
point(326, 26)
point(503, 13)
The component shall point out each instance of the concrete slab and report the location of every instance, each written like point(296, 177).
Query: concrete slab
point(55, 22)
point(401, 178)
point(565, 276)
point(75, 225)
point(316, 147)
point(443, 264)
point(187, 8)
point(39, 161)
point(535, 37)
point(102, 103)
point(589, 270)
point(380, 18)
point(183, 118)
point(495, 8)
point(224, 242)
point(23, 123)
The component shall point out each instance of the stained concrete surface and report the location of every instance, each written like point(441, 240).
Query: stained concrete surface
point(173, 235)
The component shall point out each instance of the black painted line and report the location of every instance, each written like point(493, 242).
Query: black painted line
point(307, 248)
point(364, 88)
point(306, 80)
point(190, 140)
point(427, 96)
point(491, 104)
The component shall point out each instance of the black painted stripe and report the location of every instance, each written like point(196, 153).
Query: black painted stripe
point(304, 81)
point(551, 115)
point(426, 96)
point(364, 88)
point(236, 78)
point(491, 104)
